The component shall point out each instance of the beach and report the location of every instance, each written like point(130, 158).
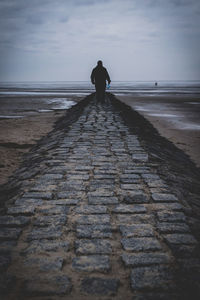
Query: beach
point(29, 111)
point(24, 121)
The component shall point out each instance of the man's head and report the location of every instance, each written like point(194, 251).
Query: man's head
point(99, 63)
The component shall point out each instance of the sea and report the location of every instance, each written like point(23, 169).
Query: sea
point(18, 99)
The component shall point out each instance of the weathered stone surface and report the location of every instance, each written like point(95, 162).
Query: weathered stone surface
point(154, 277)
point(92, 263)
point(136, 218)
point(4, 262)
point(153, 183)
point(132, 186)
point(11, 221)
point(93, 219)
point(143, 157)
point(42, 195)
point(53, 209)
point(51, 232)
point(21, 210)
point(102, 200)
point(151, 176)
point(7, 234)
point(100, 286)
point(137, 230)
point(7, 246)
point(94, 231)
point(141, 244)
point(64, 202)
point(136, 197)
point(129, 208)
point(7, 282)
point(166, 227)
point(51, 285)
point(44, 264)
point(161, 197)
point(91, 209)
point(166, 206)
point(180, 239)
point(69, 194)
point(43, 246)
point(171, 216)
point(129, 176)
point(95, 246)
point(29, 202)
point(56, 220)
point(142, 259)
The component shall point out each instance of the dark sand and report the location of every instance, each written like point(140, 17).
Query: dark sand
point(19, 135)
point(175, 117)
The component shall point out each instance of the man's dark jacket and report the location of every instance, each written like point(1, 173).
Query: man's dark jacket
point(99, 76)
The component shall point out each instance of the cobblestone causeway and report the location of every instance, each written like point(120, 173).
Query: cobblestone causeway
point(97, 221)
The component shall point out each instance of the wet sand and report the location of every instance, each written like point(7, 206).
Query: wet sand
point(17, 136)
point(24, 121)
point(176, 118)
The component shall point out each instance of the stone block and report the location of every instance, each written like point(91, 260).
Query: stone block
point(102, 200)
point(161, 197)
point(45, 264)
point(52, 209)
point(48, 286)
point(93, 219)
point(167, 227)
point(21, 210)
point(94, 231)
point(100, 286)
point(140, 157)
point(152, 277)
point(171, 216)
point(51, 232)
point(141, 244)
point(56, 220)
point(137, 230)
point(177, 238)
point(142, 259)
point(43, 246)
point(135, 218)
point(136, 197)
point(129, 208)
point(95, 246)
point(91, 263)
point(17, 221)
point(91, 209)
point(7, 234)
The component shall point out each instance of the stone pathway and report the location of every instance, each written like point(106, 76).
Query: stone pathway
point(97, 221)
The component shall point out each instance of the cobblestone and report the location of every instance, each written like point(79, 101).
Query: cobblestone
point(98, 263)
point(142, 259)
point(95, 219)
point(100, 286)
point(141, 244)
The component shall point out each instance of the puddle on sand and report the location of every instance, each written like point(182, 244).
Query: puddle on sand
point(10, 117)
point(164, 115)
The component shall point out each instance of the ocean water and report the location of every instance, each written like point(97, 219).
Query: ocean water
point(83, 88)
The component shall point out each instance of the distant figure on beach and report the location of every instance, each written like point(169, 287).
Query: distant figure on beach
point(156, 83)
point(98, 77)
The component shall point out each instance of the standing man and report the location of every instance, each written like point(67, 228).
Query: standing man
point(98, 77)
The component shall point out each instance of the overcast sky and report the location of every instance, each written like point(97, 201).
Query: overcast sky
point(63, 39)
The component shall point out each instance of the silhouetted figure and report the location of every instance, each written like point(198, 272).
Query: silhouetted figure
point(156, 83)
point(98, 77)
